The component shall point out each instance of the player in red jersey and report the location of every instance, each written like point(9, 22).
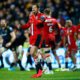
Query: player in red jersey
point(35, 35)
point(78, 30)
point(71, 42)
point(78, 38)
point(52, 33)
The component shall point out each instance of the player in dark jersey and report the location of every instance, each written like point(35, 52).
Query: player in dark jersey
point(17, 44)
point(7, 35)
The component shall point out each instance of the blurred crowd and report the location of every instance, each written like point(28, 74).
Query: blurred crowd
point(17, 11)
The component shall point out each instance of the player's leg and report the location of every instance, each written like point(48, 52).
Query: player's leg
point(67, 55)
point(73, 52)
point(2, 49)
point(29, 60)
point(33, 51)
point(55, 46)
point(12, 53)
point(45, 56)
point(1, 59)
point(38, 65)
point(11, 60)
point(54, 53)
point(48, 61)
point(19, 57)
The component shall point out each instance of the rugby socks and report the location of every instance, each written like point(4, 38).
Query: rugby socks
point(20, 65)
point(49, 66)
point(12, 65)
point(1, 59)
point(38, 67)
point(66, 64)
point(59, 65)
point(29, 60)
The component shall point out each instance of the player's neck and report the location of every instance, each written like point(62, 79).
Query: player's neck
point(37, 13)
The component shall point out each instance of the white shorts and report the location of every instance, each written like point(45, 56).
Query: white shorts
point(9, 54)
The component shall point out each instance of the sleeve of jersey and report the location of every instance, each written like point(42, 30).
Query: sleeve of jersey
point(26, 26)
point(10, 29)
point(40, 22)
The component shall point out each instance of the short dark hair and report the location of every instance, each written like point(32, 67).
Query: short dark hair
point(36, 5)
point(47, 11)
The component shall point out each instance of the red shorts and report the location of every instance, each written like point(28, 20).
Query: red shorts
point(35, 40)
point(52, 39)
point(72, 49)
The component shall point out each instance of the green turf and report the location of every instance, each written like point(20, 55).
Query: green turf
point(25, 75)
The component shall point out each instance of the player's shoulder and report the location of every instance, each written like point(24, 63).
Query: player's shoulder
point(53, 19)
point(41, 15)
point(9, 28)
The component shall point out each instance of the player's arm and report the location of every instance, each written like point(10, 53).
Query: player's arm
point(28, 24)
point(56, 28)
point(13, 37)
point(25, 26)
point(40, 22)
point(59, 25)
point(56, 25)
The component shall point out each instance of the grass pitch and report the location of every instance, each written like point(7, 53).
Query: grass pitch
point(25, 75)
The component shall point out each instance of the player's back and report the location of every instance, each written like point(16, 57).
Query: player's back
point(49, 25)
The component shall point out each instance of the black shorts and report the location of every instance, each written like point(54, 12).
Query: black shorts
point(38, 40)
point(58, 40)
point(17, 42)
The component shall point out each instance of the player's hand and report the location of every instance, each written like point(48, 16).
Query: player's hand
point(8, 44)
point(31, 13)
